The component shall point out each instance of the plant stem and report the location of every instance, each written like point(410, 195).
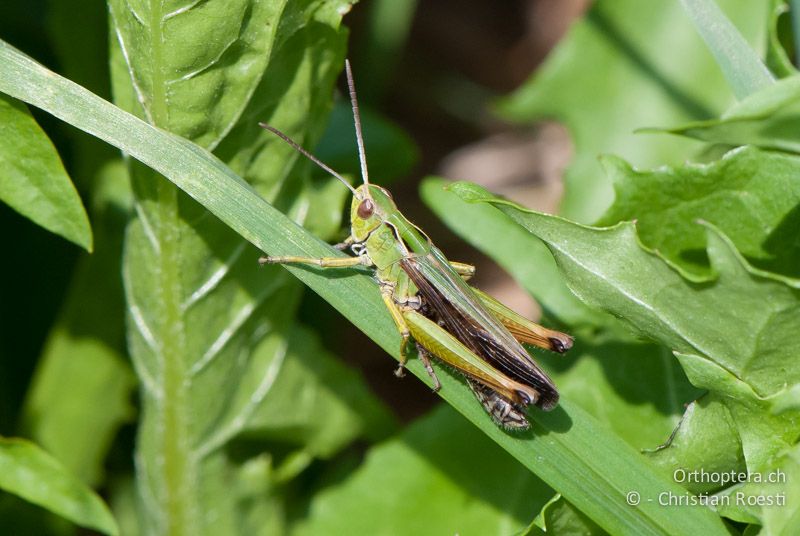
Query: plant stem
point(178, 470)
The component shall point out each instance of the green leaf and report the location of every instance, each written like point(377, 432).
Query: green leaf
point(310, 379)
point(569, 450)
point(762, 433)
point(194, 67)
point(79, 398)
point(731, 430)
point(441, 476)
point(81, 392)
point(636, 382)
point(499, 237)
point(706, 440)
point(733, 334)
point(624, 384)
point(35, 183)
point(34, 475)
point(609, 269)
point(770, 497)
point(741, 66)
point(749, 194)
point(621, 48)
point(766, 119)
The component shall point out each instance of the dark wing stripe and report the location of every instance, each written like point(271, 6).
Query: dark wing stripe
point(470, 333)
point(515, 369)
point(435, 269)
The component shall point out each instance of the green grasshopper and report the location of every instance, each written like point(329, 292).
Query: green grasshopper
point(428, 298)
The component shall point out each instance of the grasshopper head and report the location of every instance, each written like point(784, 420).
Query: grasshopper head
point(370, 208)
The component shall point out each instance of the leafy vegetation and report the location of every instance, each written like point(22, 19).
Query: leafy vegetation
point(683, 294)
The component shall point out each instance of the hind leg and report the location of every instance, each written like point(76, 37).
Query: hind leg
point(425, 357)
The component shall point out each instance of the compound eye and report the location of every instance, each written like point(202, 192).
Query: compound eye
point(366, 209)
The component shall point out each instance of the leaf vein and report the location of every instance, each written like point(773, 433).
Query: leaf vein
point(627, 294)
point(213, 281)
point(148, 378)
point(181, 10)
point(233, 327)
point(136, 15)
point(238, 423)
point(134, 81)
point(147, 228)
point(211, 63)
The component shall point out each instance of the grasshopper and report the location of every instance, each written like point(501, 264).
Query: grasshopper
point(429, 300)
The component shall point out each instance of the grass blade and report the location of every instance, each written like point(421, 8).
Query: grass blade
point(743, 69)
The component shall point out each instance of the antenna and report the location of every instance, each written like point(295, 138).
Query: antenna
point(362, 156)
point(308, 155)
